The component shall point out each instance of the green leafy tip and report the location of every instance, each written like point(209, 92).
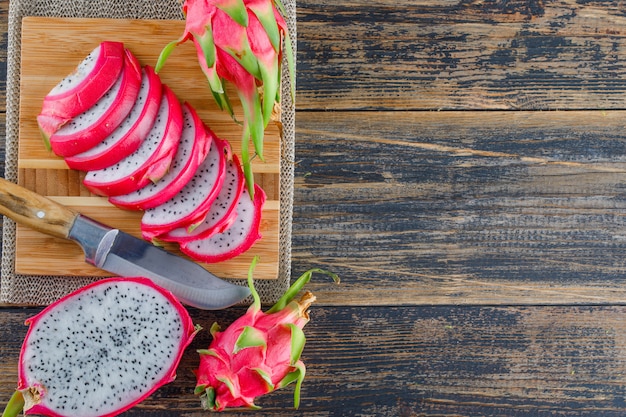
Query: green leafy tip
point(297, 375)
point(214, 329)
point(249, 337)
point(165, 53)
point(265, 13)
point(298, 341)
point(207, 398)
point(207, 45)
point(236, 9)
point(297, 286)
point(256, 304)
point(208, 352)
point(266, 377)
point(199, 390)
point(246, 162)
point(15, 405)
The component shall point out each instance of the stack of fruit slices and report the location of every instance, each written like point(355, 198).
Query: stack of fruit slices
point(144, 150)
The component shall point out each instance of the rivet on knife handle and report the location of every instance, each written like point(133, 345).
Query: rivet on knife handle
point(35, 211)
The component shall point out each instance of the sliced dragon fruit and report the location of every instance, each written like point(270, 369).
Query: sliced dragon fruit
point(235, 240)
point(192, 149)
point(128, 136)
point(101, 349)
point(223, 210)
point(150, 161)
point(81, 89)
point(191, 204)
point(97, 122)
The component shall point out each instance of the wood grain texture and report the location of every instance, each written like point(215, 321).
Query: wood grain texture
point(62, 44)
point(479, 236)
point(420, 361)
point(466, 54)
point(463, 207)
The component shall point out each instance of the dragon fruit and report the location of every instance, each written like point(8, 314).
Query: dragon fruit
point(235, 240)
point(242, 42)
point(192, 150)
point(130, 134)
point(150, 161)
point(101, 350)
point(190, 204)
point(81, 89)
point(223, 210)
point(97, 122)
point(259, 352)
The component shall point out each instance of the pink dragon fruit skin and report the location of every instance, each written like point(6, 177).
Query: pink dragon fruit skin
point(92, 126)
point(223, 210)
point(150, 161)
point(125, 140)
point(242, 42)
point(194, 145)
point(237, 238)
point(91, 79)
point(101, 349)
point(259, 352)
point(193, 201)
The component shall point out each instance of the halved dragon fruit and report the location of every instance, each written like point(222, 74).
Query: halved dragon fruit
point(130, 134)
point(101, 350)
point(194, 145)
point(235, 240)
point(150, 161)
point(93, 125)
point(191, 204)
point(223, 210)
point(81, 89)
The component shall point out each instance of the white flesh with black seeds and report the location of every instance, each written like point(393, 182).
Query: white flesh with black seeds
point(221, 207)
point(90, 116)
point(103, 348)
point(193, 194)
point(127, 124)
point(82, 70)
point(179, 162)
point(232, 237)
point(135, 160)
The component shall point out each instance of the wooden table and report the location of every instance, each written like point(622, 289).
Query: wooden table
point(460, 164)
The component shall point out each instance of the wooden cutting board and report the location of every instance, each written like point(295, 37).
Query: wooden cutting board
point(51, 49)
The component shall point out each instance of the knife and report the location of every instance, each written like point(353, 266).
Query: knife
point(118, 252)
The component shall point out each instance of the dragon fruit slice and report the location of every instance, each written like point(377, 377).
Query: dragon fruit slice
point(81, 89)
point(259, 352)
point(97, 122)
point(194, 200)
point(150, 161)
point(223, 210)
point(235, 240)
point(192, 150)
point(128, 136)
point(101, 350)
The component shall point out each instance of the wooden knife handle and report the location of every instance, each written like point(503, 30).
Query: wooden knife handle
point(34, 210)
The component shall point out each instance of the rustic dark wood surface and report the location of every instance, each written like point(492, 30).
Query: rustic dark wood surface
point(460, 164)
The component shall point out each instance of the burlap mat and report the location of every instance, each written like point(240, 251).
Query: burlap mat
point(42, 290)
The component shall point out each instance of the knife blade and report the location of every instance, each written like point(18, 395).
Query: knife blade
point(118, 252)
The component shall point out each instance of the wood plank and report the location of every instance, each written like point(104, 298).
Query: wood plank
point(462, 207)
point(62, 43)
point(460, 55)
point(409, 361)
